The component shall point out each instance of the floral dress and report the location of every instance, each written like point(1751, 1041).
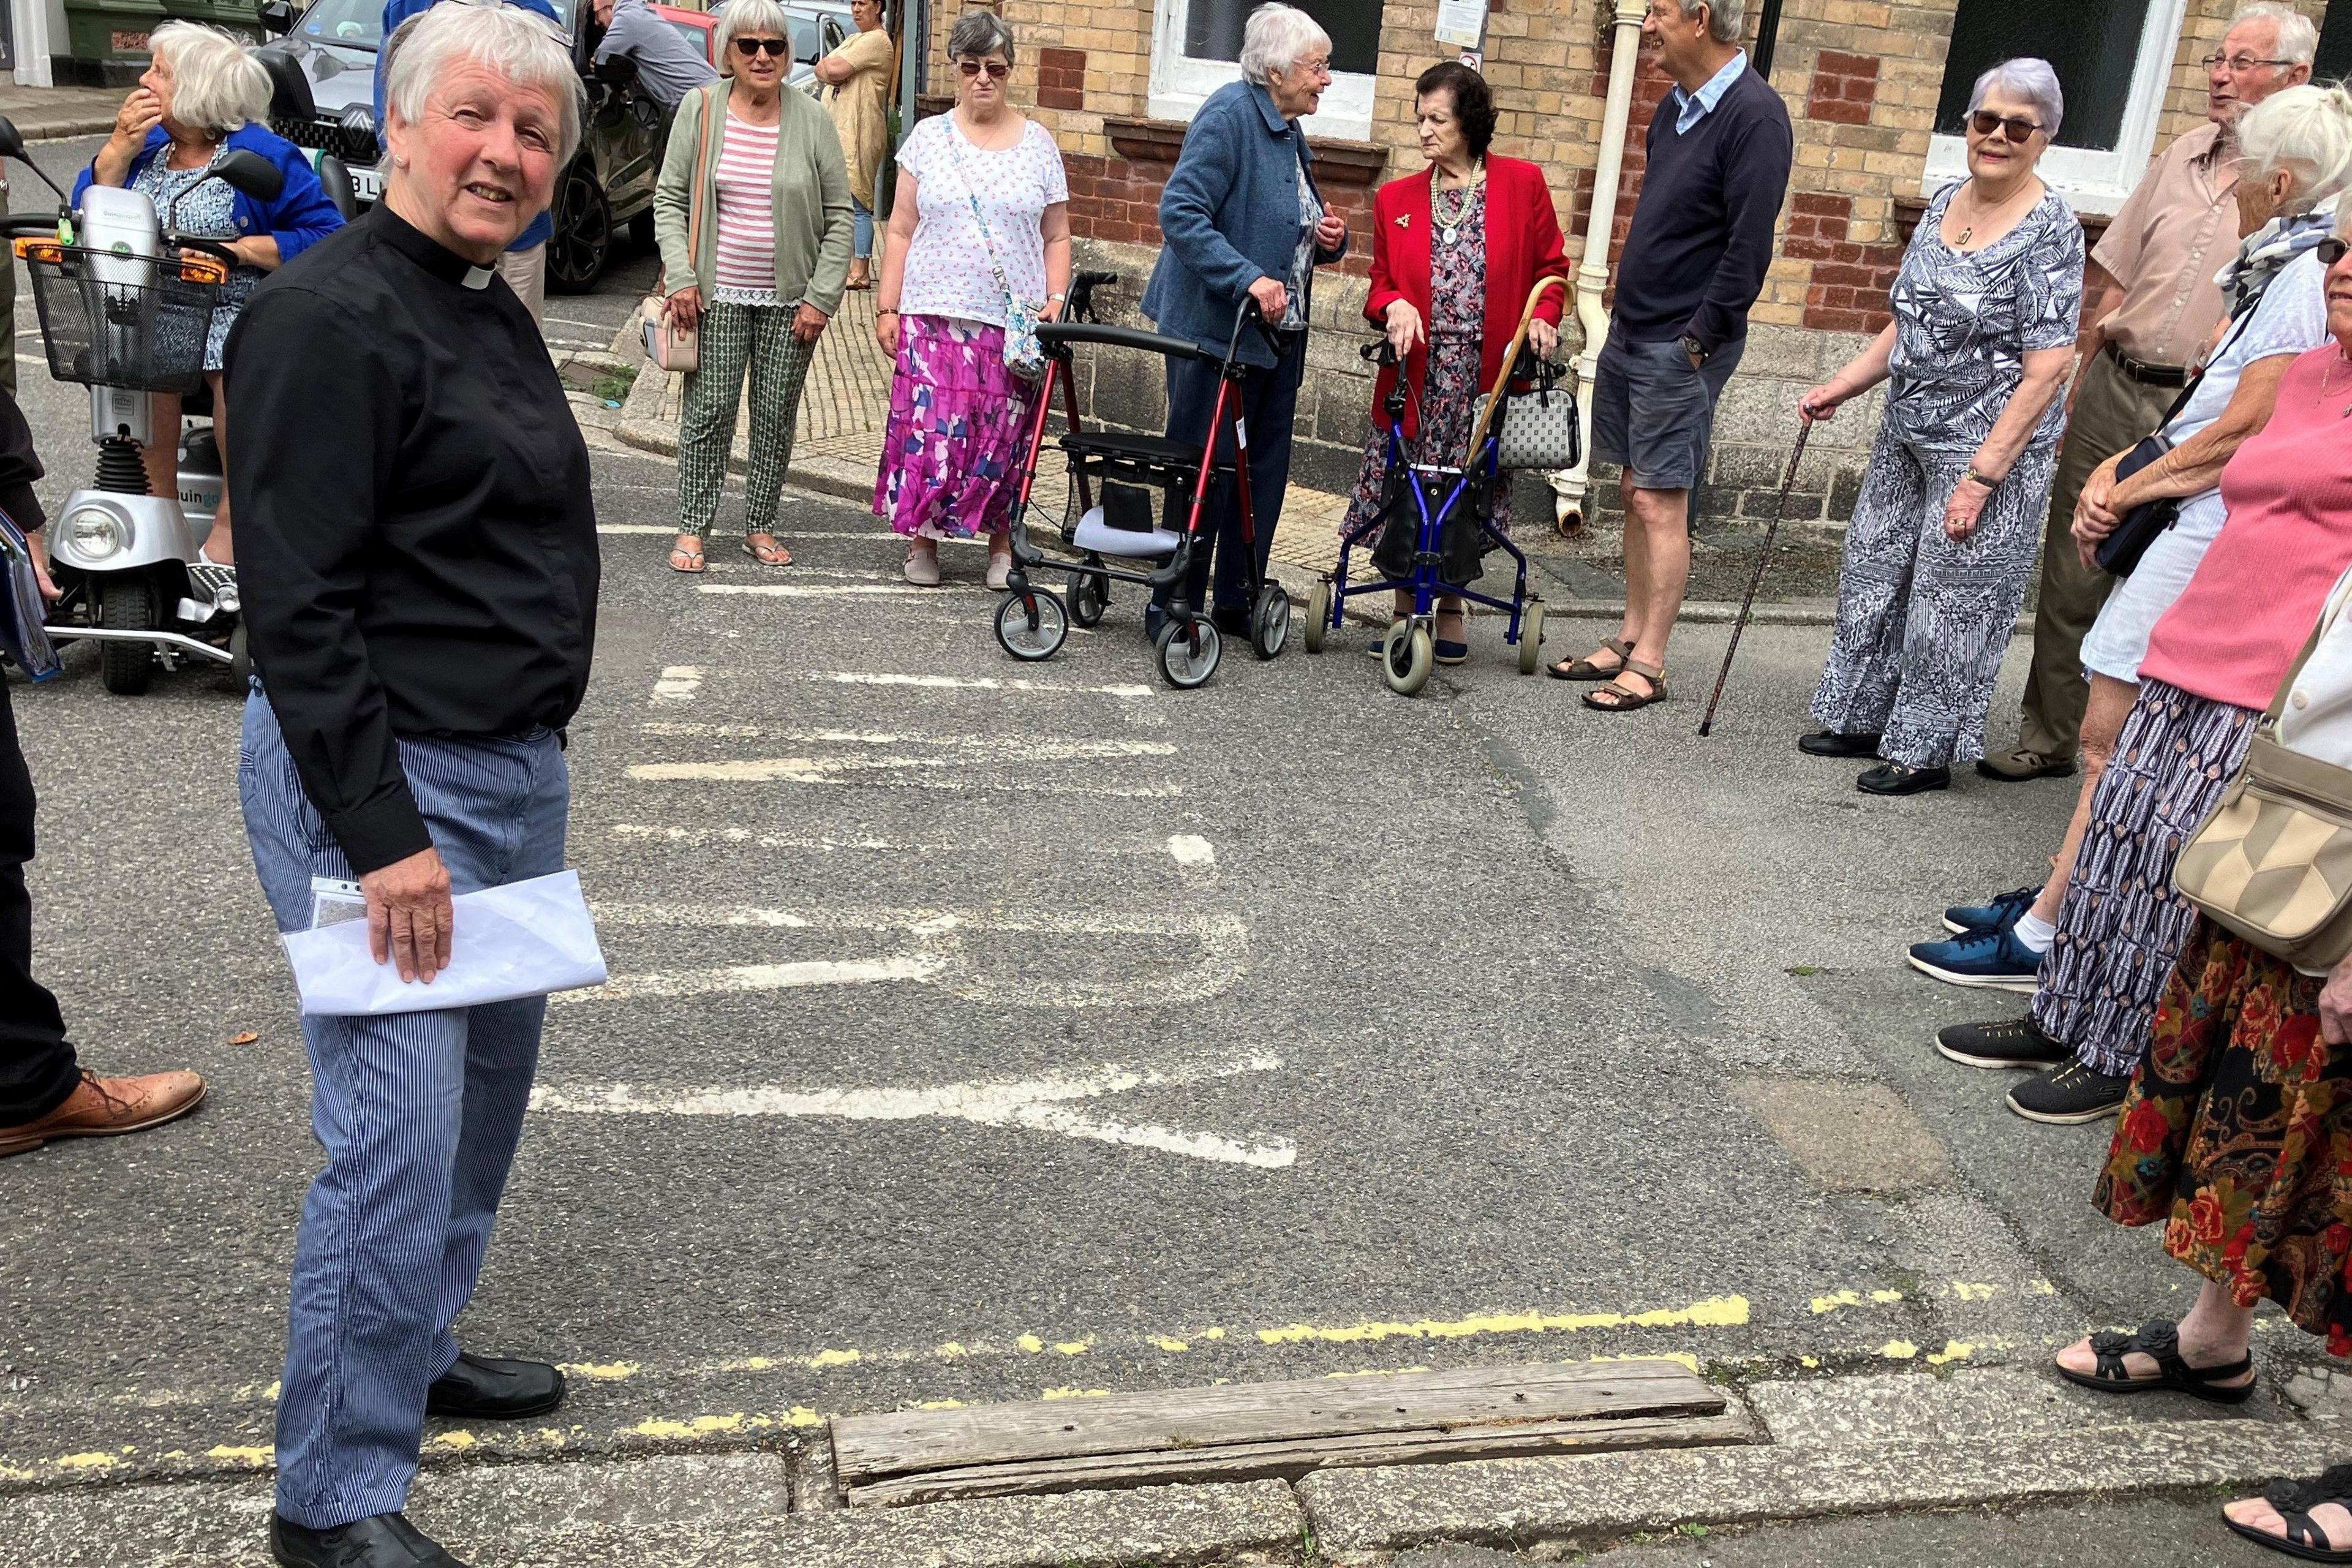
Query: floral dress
point(1457, 326)
point(207, 211)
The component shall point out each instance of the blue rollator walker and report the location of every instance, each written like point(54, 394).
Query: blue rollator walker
point(1454, 508)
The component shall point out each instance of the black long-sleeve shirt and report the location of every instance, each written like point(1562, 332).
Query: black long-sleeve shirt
point(416, 540)
point(19, 466)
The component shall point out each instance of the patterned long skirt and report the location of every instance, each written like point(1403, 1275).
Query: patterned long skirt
point(1447, 413)
point(2123, 925)
point(2237, 1134)
point(951, 448)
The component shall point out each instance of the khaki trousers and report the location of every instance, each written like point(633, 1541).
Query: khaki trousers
point(526, 273)
point(2113, 413)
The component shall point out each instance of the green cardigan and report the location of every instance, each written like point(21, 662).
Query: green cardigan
point(812, 187)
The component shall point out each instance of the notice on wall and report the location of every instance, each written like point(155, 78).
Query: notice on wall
point(1461, 23)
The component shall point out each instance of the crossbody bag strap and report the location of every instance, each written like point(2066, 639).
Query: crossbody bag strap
point(988, 240)
point(712, 103)
point(2328, 615)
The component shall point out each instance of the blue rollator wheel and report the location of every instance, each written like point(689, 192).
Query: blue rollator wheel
point(1408, 656)
point(1270, 621)
point(1531, 638)
point(1319, 615)
point(1031, 626)
point(1188, 652)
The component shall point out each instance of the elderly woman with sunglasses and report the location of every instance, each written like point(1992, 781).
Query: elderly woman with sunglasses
point(753, 218)
point(1948, 524)
point(982, 212)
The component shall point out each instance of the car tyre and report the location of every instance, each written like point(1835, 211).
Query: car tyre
point(582, 241)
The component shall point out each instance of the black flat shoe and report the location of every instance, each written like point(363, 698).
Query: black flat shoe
point(1830, 743)
point(1893, 778)
point(380, 1540)
point(486, 1388)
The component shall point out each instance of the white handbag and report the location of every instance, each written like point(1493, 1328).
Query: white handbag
point(1540, 429)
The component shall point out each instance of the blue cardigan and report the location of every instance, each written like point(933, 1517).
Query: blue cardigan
point(1229, 217)
point(298, 218)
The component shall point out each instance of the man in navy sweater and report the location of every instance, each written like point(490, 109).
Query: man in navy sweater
point(1720, 149)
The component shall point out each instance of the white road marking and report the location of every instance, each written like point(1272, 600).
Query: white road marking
point(789, 535)
point(1012, 748)
point(1043, 1104)
point(1191, 849)
point(972, 683)
point(767, 978)
point(821, 591)
point(678, 683)
point(661, 833)
point(873, 772)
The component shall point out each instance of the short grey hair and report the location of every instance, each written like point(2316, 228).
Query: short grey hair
point(979, 34)
point(758, 19)
point(1276, 37)
point(2031, 80)
point(518, 45)
point(215, 85)
point(2307, 129)
point(1725, 18)
point(2298, 40)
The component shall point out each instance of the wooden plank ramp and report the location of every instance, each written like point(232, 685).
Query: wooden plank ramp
point(1249, 1431)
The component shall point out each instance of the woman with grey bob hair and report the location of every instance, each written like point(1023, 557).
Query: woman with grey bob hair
point(979, 34)
point(1275, 38)
point(200, 96)
point(2024, 81)
point(511, 52)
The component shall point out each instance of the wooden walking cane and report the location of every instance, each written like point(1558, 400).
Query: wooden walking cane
point(1763, 559)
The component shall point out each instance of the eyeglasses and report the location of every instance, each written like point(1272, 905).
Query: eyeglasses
point(779, 48)
point(2331, 250)
point(997, 69)
point(1321, 67)
point(1985, 123)
point(2238, 64)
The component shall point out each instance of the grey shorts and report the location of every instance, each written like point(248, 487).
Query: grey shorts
point(1653, 414)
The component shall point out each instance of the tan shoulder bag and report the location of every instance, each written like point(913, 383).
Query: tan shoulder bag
point(668, 345)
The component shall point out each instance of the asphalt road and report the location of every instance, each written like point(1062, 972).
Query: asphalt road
point(981, 1031)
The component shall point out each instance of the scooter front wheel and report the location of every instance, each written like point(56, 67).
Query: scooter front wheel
point(126, 604)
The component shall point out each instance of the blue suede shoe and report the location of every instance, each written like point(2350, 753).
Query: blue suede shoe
point(1994, 960)
point(2003, 912)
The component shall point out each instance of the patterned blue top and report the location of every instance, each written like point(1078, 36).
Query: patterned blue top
point(206, 210)
point(1964, 321)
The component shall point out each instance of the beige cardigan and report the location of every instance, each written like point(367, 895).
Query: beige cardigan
point(811, 196)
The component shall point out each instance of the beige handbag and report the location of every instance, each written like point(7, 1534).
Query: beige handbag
point(2274, 862)
point(668, 345)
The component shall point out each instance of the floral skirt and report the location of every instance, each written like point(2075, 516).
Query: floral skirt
point(951, 450)
point(1448, 412)
point(2237, 1133)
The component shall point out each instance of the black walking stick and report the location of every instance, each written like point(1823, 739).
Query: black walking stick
point(1763, 559)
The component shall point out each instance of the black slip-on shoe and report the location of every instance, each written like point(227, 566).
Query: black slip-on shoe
point(2017, 765)
point(488, 1388)
point(2011, 1043)
point(1830, 743)
point(2069, 1094)
point(1893, 778)
point(380, 1540)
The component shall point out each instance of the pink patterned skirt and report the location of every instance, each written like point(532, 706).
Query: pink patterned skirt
point(952, 451)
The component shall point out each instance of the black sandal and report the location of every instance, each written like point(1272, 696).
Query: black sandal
point(2160, 1341)
point(2294, 1501)
point(1585, 669)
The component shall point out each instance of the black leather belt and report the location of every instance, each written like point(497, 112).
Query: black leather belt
point(2145, 373)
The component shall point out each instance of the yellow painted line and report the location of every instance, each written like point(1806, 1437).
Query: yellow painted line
point(1899, 1350)
point(601, 1372)
point(1714, 1312)
point(1954, 1349)
point(1073, 1394)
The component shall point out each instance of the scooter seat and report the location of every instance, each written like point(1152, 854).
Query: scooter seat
point(1156, 454)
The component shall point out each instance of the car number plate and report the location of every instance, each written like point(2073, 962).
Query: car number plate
point(368, 185)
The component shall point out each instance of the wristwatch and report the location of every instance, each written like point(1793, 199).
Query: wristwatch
point(1693, 347)
point(1985, 479)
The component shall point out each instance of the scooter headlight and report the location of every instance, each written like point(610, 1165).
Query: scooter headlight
point(95, 533)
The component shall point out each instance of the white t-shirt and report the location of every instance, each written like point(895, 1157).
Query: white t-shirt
point(2290, 318)
point(948, 271)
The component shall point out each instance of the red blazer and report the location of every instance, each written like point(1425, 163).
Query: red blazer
point(1523, 244)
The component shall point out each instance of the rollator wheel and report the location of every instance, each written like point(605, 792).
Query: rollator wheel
point(1408, 656)
point(1270, 621)
point(1531, 638)
point(1089, 594)
point(1189, 653)
point(1319, 615)
point(1031, 626)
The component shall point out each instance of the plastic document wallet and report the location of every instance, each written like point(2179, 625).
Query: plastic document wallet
point(525, 939)
point(23, 637)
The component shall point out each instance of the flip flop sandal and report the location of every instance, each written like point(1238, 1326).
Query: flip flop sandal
point(1625, 698)
point(2160, 1341)
point(694, 566)
point(2294, 1501)
point(768, 555)
point(1585, 669)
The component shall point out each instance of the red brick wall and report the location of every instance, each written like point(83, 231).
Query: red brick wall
point(1062, 78)
point(1848, 289)
point(1844, 88)
point(1117, 200)
point(1650, 85)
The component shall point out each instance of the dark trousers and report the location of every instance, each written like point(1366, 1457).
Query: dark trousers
point(37, 1066)
point(1269, 401)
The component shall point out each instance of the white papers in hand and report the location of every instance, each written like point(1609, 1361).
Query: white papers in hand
point(525, 939)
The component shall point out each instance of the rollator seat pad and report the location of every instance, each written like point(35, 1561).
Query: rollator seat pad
point(1156, 453)
point(1095, 534)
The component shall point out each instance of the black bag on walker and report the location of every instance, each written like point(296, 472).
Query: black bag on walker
point(1461, 543)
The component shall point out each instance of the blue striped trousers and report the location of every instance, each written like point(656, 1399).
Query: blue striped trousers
point(419, 1114)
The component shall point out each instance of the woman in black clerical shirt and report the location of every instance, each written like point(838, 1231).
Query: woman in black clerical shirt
point(418, 551)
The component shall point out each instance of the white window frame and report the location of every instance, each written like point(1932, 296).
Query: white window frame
point(2095, 182)
point(1180, 83)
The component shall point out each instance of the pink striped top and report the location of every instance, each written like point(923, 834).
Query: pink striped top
point(747, 211)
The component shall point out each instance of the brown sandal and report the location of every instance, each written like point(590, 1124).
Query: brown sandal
point(1625, 698)
point(1585, 669)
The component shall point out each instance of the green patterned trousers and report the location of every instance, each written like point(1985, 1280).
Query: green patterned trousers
point(735, 337)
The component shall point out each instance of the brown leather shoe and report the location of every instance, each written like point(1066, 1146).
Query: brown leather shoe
point(103, 1107)
point(2018, 764)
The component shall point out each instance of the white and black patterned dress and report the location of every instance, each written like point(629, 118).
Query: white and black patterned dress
point(1922, 619)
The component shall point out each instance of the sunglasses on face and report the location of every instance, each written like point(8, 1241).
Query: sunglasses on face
point(997, 69)
point(2331, 250)
point(779, 48)
point(1985, 123)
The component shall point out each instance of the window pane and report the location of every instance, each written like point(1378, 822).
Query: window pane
point(2093, 45)
point(1212, 30)
point(2335, 62)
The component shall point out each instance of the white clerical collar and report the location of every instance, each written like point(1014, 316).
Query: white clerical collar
point(478, 276)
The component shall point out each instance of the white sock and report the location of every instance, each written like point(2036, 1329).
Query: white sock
point(2033, 933)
